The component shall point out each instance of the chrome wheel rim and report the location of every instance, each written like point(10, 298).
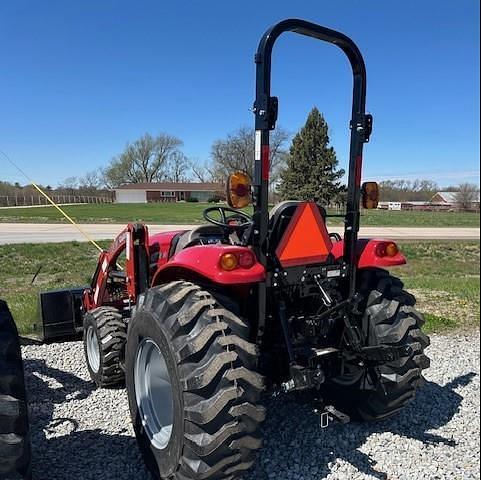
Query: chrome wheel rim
point(93, 349)
point(154, 394)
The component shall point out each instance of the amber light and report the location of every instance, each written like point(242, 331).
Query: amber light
point(370, 195)
point(229, 262)
point(388, 249)
point(239, 190)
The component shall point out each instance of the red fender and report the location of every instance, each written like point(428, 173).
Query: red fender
point(204, 261)
point(367, 254)
point(161, 243)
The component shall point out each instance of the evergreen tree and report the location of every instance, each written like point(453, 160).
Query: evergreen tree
point(311, 172)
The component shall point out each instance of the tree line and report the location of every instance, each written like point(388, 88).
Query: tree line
point(408, 190)
point(78, 187)
point(303, 166)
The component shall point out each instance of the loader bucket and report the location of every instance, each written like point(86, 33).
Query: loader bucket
point(60, 315)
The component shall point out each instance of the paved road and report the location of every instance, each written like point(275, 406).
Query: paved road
point(45, 233)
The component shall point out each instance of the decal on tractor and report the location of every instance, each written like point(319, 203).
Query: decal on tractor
point(306, 239)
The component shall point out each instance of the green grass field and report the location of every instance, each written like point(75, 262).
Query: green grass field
point(62, 265)
point(191, 213)
point(445, 276)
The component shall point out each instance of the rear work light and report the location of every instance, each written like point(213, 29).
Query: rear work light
point(387, 249)
point(231, 261)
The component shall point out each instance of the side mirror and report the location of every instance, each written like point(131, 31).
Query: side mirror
point(239, 190)
point(370, 195)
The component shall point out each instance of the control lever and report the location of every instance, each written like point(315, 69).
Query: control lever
point(326, 299)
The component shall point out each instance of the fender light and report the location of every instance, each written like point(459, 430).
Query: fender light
point(232, 261)
point(387, 249)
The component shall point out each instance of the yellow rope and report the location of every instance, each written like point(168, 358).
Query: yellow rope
point(78, 227)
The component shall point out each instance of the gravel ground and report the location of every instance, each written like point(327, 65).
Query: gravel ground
point(85, 434)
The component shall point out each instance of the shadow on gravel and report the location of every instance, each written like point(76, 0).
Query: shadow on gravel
point(61, 451)
point(296, 448)
point(294, 445)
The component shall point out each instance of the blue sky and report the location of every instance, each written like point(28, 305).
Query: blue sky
point(80, 79)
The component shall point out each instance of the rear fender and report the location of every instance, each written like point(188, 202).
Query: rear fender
point(204, 262)
point(367, 256)
point(160, 245)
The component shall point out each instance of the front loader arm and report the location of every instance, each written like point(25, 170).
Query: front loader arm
point(134, 272)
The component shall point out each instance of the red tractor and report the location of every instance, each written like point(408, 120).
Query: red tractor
point(199, 323)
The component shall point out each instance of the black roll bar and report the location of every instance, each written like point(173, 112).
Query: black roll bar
point(265, 109)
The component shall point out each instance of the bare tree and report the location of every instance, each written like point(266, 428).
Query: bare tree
point(145, 160)
point(178, 168)
point(203, 171)
point(91, 180)
point(467, 196)
point(69, 183)
point(236, 152)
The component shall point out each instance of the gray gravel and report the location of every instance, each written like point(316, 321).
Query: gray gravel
point(85, 434)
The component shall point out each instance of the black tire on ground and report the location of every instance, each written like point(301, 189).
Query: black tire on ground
point(105, 334)
point(215, 390)
point(15, 450)
point(391, 318)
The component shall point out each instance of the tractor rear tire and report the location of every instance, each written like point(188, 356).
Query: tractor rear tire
point(105, 334)
point(391, 319)
point(15, 450)
point(194, 355)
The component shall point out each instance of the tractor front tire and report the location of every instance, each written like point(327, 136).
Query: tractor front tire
point(15, 450)
point(192, 386)
point(105, 334)
point(391, 319)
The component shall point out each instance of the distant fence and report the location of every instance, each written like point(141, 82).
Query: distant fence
point(33, 200)
point(336, 209)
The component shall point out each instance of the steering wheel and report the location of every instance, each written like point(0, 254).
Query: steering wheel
point(245, 218)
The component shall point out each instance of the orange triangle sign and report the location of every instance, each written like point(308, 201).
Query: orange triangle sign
point(306, 239)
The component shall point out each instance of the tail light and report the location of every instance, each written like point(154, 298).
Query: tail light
point(231, 261)
point(387, 249)
point(247, 260)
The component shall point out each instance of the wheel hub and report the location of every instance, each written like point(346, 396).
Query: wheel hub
point(93, 349)
point(154, 394)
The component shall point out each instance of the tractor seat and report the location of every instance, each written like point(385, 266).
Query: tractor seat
point(280, 217)
point(207, 233)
